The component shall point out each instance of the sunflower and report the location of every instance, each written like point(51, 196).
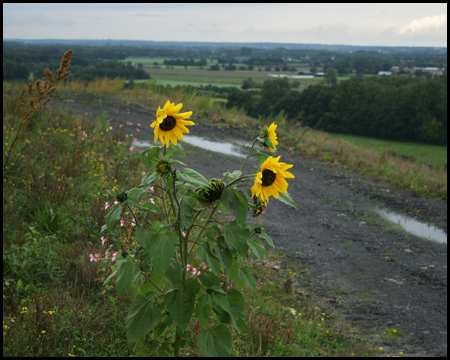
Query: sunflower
point(270, 181)
point(169, 125)
point(272, 136)
point(268, 137)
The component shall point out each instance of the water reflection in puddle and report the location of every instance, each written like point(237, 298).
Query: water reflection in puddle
point(222, 147)
point(414, 227)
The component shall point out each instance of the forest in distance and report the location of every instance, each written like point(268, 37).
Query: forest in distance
point(409, 107)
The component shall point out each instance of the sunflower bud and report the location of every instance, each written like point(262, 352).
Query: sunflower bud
point(212, 191)
point(163, 168)
point(122, 196)
point(258, 206)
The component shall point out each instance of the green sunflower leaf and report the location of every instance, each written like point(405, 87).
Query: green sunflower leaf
point(192, 178)
point(257, 248)
point(127, 273)
point(144, 315)
point(247, 277)
point(113, 216)
point(235, 201)
point(150, 157)
point(180, 302)
point(286, 198)
point(179, 151)
point(237, 237)
point(215, 341)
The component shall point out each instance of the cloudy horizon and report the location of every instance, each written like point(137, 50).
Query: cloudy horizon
point(334, 24)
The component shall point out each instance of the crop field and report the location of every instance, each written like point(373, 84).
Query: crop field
point(217, 78)
point(423, 153)
point(201, 75)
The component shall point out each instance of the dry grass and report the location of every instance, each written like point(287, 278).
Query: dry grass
point(103, 86)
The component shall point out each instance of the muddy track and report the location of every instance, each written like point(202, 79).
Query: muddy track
point(376, 275)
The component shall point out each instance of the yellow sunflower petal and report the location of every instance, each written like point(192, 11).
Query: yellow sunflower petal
point(177, 108)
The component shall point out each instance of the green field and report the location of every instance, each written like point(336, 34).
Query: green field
point(423, 153)
point(218, 78)
point(196, 75)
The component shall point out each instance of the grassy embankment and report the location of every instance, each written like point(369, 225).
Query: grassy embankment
point(54, 302)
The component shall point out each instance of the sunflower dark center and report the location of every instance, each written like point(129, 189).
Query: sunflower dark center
point(268, 177)
point(168, 123)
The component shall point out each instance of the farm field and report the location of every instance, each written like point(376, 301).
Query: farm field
point(218, 78)
point(423, 153)
point(201, 76)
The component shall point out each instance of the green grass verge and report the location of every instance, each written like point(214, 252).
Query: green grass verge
point(422, 153)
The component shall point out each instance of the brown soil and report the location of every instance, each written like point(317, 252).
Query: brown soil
point(376, 276)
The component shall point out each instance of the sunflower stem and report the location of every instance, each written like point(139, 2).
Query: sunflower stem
point(204, 228)
point(132, 213)
point(248, 155)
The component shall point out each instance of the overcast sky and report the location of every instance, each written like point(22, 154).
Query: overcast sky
point(348, 24)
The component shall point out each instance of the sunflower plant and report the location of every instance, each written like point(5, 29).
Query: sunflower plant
point(177, 259)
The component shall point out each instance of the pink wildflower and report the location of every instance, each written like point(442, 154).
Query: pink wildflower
point(118, 143)
point(107, 206)
point(120, 125)
point(94, 257)
point(104, 241)
point(138, 124)
point(114, 257)
point(116, 202)
point(138, 130)
point(133, 223)
point(189, 267)
point(131, 148)
point(122, 222)
point(152, 201)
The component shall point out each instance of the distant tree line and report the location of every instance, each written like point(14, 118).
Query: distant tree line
point(86, 63)
point(37, 57)
point(110, 69)
point(398, 108)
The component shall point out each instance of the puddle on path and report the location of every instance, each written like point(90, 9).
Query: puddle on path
point(414, 227)
point(222, 147)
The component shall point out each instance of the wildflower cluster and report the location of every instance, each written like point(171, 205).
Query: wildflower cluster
point(183, 257)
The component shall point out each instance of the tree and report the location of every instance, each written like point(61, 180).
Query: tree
point(247, 84)
point(330, 76)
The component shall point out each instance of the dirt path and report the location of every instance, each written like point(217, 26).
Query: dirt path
point(378, 277)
